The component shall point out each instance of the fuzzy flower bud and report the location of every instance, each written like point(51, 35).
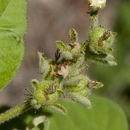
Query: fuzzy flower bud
point(97, 4)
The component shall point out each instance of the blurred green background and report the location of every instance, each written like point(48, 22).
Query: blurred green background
point(50, 20)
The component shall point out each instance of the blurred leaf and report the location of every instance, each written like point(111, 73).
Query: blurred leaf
point(12, 29)
point(105, 115)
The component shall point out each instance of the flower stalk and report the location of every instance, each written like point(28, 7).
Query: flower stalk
point(14, 112)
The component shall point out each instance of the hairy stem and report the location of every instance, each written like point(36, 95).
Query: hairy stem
point(94, 19)
point(14, 112)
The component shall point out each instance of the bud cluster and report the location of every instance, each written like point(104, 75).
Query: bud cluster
point(65, 77)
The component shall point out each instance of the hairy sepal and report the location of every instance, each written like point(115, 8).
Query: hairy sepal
point(81, 99)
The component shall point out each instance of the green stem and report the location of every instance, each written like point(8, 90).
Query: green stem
point(14, 112)
point(94, 19)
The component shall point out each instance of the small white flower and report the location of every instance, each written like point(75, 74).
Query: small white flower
point(64, 71)
point(99, 4)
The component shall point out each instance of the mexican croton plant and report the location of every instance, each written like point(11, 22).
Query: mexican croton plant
point(62, 78)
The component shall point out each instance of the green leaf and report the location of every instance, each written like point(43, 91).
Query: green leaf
point(4, 4)
point(12, 29)
point(104, 115)
point(13, 16)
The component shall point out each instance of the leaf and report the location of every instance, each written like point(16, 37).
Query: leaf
point(13, 16)
point(12, 29)
point(4, 5)
point(104, 115)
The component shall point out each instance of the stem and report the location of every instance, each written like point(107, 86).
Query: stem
point(94, 19)
point(14, 112)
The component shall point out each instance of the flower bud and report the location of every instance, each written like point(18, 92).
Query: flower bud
point(76, 84)
point(44, 94)
point(97, 4)
point(101, 40)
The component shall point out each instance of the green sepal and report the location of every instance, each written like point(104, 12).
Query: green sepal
point(44, 64)
point(73, 81)
point(104, 59)
point(81, 99)
point(76, 51)
point(63, 46)
point(110, 60)
point(65, 50)
point(85, 92)
point(67, 55)
point(34, 84)
point(58, 108)
point(76, 84)
point(77, 67)
point(60, 92)
point(73, 35)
